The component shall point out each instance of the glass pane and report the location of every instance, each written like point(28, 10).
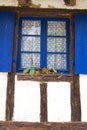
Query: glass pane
point(30, 44)
point(27, 60)
point(57, 61)
point(31, 27)
point(56, 44)
point(56, 28)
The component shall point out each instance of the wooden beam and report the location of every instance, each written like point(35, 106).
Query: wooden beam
point(70, 2)
point(75, 86)
point(43, 99)
point(10, 96)
point(75, 99)
point(43, 126)
point(43, 11)
point(46, 77)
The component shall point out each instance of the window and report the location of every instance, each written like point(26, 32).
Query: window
point(44, 42)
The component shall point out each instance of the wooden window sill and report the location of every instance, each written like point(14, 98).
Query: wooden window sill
point(45, 77)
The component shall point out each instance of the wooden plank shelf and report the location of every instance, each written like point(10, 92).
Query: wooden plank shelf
point(46, 77)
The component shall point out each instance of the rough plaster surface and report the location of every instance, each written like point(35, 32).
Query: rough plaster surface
point(80, 4)
point(27, 101)
point(3, 87)
point(8, 2)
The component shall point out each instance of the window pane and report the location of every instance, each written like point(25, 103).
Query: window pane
point(57, 61)
point(56, 44)
point(31, 27)
point(30, 44)
point(56, 28)
point(27, 60)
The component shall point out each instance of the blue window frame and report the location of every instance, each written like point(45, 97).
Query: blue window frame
point(43, 42)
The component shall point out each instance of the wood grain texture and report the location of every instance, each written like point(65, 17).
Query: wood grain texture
point(45, 77)
point(43, 126)
point(43, 99)
point(75, 99)
point(10, 96)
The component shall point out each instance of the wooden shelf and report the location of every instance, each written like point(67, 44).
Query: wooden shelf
point(46, 77)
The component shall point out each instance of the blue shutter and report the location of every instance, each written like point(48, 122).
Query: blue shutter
point(6, 40)
point(81, 44)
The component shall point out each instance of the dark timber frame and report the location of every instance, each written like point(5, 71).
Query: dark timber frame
point(72, 78)
point(70, 2)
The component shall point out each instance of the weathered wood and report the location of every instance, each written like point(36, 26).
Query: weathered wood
point(70, 2)
point(43, 99)
point(11, 79)
point(43, 11)
point(45, 77)
point(43, 126)
point(10, 96)
point(15, 47)
point(75, 99)
point(72, 34)
point(24, 2)
point(4, 125)
point(75, 87)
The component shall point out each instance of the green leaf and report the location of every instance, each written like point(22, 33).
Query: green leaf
point(55, 71)
point(26, 70)
point(32, 71)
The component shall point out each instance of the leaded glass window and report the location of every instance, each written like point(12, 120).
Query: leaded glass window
point(44, 42)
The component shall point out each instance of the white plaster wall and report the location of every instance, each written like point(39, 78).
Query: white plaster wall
point(3, 88)
point(83, 91)
point(8, 2)
point(59, 108)
point(27, 100)
point(80, 4)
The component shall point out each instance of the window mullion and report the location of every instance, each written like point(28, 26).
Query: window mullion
point(43, 43)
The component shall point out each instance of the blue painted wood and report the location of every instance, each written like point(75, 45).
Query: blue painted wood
point(6, 40)
point(81, 44)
